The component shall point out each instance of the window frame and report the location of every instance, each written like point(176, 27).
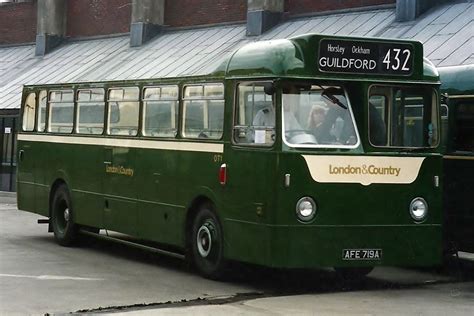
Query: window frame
point(36, 105)
point(49, 109)
point(323, 146)
point(435, 97)
point(182, 112)
point(235, 113)
point(108, 107)
point(177, 109)
point(46, 112)
point(77, 105)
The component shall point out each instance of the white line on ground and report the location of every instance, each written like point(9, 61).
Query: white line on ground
point(49, 277)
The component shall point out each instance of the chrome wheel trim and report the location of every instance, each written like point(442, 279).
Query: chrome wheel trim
point(204, 241)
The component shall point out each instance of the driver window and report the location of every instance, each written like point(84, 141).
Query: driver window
point(317, 115)
point(255, 115)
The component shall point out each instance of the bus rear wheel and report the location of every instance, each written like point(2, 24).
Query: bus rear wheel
point(62, 217)
point(207, 243)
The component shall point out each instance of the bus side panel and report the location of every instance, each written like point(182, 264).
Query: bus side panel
point(44, 157)
point(87, 169)
point(25, 176)
point(458, 204)
point(198, 176)
point(120, 190)
point(160, 212)
point(250, 199)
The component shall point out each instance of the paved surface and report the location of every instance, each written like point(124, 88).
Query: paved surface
point(37, 277)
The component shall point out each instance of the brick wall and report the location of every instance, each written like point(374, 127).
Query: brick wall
point(199, 12)
point(98, 17)
point(310, 6)
point(18, 23)
point(103, 17)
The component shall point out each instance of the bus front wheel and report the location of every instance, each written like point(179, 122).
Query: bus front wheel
point(207, 243)
point(62, 217)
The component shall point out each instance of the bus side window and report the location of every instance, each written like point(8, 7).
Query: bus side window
point(29, 112)
point(464, 127)
point(160, 110)
point(203, 111)
point(90, 111)
point(61, 111)
point(444, 123)
point(123, 111)
point(43, 99)
point(377, 122)
point(255, 115)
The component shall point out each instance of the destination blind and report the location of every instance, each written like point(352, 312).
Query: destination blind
point(365, 57)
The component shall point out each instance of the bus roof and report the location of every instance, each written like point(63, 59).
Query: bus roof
point(316, 55)
point(457, 80)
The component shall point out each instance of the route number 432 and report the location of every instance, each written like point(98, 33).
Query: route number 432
point(397, 59)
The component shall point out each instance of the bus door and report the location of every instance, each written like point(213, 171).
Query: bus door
point(120, 193)
point(251, 163)
point(26, 159)
point(158, 212)
point(119, 190)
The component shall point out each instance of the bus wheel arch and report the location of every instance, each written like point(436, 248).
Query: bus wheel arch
point(62, 214)
point(205, 238)
point(58, 182)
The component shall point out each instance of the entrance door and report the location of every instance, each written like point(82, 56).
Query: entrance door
point(251, 162)
point(120, 212)
point(8, 153)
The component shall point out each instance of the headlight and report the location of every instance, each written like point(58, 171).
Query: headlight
point(418, 209)
point(305, 209)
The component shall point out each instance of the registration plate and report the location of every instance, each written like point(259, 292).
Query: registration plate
point(362, 254)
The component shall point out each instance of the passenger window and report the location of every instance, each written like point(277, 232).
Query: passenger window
point(90, 112)
point(61, 111)
point(464, 127)
point(378, 120)
point(123, 111)
point(43, 98)
point(29, 111)
point(203, 111)
point(255, 115)
point(160, 110)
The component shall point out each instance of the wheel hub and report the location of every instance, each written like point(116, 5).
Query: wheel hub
point(66, 215)
point(204, 241)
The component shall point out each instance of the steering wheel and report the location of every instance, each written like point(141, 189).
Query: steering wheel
point(300, 136)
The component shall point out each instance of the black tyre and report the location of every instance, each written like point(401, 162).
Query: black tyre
point(62, 217)
point(207, 243)
point(353, 274)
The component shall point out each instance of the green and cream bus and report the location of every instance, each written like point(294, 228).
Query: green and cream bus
point(296, 153)
point(457, 88)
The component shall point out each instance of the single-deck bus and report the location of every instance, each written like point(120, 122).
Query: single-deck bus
point(313, 151)
point(457, 88)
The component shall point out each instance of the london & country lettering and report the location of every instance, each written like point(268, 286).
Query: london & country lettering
point(364, 169)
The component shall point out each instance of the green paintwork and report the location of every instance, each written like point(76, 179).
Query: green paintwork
point(255, 208)
point(297, 56)
point(458, 84)
point(457, 80)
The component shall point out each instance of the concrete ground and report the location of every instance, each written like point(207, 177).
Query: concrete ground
point(37, 276)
